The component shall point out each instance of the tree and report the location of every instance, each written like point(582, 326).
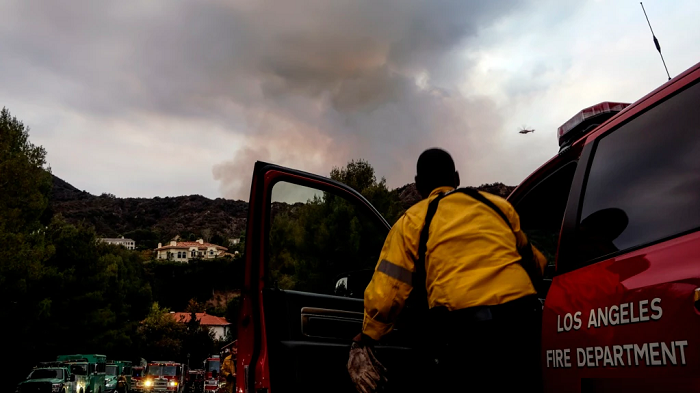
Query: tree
point(25, 184)
point(194, 307)
point(160, 334)
point(329, 235)
point(25, 180)
point(360, 176)
point(219, 240)
point(206, 234)
point(198, 341)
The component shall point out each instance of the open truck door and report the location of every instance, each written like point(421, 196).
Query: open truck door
point(310, 243)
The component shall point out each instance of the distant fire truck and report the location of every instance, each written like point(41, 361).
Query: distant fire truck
point(138, 374)
point(164, 376)
point(212, 374)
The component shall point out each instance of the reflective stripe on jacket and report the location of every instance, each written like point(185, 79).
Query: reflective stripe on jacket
point(472, 259)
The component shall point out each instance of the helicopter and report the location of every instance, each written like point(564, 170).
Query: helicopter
point(525, 130)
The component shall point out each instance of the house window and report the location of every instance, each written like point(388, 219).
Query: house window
point(193, 253)
point(211, 252)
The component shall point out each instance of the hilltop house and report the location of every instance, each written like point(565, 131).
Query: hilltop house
point(218, 325)
point(128, 243)
point(184, 251)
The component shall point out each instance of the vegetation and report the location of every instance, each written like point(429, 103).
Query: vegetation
point(174, 284)
point(328, 235)
point(62, 291)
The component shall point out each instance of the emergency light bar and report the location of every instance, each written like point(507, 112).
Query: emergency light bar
point(587, 120)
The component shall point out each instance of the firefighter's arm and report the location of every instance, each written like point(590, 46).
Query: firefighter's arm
point(391, 283)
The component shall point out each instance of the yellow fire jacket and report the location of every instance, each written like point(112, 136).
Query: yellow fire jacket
point(229, 367)
point(472, 259)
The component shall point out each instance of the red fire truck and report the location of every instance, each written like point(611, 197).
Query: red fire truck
point(137, 375)
point(617, 211)
point(212, 374)
point(164, 376)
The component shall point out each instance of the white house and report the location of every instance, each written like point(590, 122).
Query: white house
point(218, 325)
point(184, 251)
point(128, 243)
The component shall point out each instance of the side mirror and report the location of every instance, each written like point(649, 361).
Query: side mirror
point(341, 287)
point(72, 377)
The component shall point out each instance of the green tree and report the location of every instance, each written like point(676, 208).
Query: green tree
point(193, 306)
point(25, 184)
point(219, 240)
point(329, 235)
point(160, 334)
point(198, 341)
point(360, 175)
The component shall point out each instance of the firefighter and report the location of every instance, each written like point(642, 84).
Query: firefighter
point(228, 371)
point(463, 255)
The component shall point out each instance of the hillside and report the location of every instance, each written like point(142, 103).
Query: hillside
point(150, 219)
point(153, 220)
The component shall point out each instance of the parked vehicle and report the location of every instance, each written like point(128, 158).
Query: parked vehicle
point(138, 374)
point(164, 376)
point(89, 371)
point(195, 382)
point(212, 374)
point(616, 211)
point(118, 376)
point(48, 379)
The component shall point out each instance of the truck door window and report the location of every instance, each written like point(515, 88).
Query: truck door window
point(542, 210)
point(316, 238)
point(644, 181)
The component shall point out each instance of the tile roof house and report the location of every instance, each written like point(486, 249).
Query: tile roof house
point(120, 241)
point(184, 251)
point(220, 326)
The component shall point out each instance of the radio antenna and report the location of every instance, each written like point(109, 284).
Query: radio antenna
point(656, 42)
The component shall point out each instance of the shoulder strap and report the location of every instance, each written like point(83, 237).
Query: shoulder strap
point(527, 258)
point(420, 273)
point(479, 197)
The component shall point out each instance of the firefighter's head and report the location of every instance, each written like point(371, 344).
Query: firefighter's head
point(435, 168)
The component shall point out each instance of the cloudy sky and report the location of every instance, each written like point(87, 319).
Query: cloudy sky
point(163, 98)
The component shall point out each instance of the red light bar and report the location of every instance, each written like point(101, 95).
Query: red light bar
point(588, 113)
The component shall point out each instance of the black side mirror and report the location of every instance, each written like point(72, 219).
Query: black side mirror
point(72, 378)
point(341, 287)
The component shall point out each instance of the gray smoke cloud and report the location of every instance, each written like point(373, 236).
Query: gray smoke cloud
point(362, 80)
point(310, 84)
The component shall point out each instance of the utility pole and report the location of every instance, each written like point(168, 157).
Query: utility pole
point(656, 42)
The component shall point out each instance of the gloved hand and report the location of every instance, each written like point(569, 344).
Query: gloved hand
point(366, 372)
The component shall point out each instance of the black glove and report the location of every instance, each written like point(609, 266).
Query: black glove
point(366, 372)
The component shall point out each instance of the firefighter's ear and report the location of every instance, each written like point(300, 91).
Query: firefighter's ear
point(456, 179)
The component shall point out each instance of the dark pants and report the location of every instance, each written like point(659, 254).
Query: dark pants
point(491, 349)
